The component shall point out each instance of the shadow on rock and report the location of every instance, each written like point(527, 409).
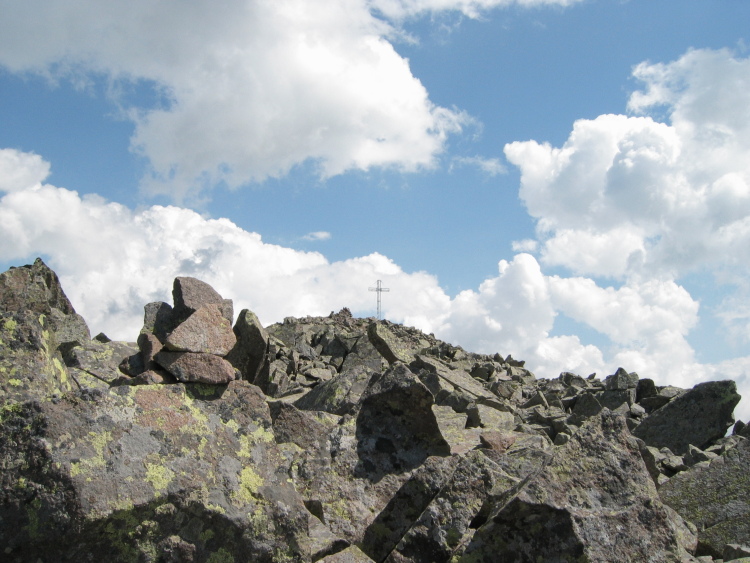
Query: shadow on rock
point(396, 428)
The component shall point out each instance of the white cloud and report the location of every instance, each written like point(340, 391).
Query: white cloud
point(113, 260)
point(249, 88)
point(317, 235)
point(400, 9)
point(490, 166)
point(630, 196)
point(525, 245)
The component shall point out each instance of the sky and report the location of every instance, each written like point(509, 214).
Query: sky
point(566, 181)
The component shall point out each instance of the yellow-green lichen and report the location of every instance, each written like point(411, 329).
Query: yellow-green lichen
point(159, 476)
point(15, 382)
point(10, 325)
point(99, 441)
point(250, 483)
point(247, 441)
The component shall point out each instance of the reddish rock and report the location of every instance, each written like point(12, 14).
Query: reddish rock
point(196, 368)
point(191, 294)
point(206, 331)
point(149, 345)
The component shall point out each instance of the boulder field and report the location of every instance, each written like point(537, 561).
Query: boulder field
point(341, 439)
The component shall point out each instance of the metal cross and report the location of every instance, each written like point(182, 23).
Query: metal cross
point(380, 289)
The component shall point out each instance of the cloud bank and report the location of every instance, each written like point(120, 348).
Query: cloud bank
point(113, 260)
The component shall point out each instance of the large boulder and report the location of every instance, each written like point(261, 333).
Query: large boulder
point(196, 368)
point(190, 294)
point(249, 352)
point(142, 473)
point(396, 427)
point(698, 417)
point(715, 496)
point(205, 331)
point(594, 501)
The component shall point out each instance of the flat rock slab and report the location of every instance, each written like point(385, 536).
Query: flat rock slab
point(716, 498)
point(206, 331)
point(197, 368)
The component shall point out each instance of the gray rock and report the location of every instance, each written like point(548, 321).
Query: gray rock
point(98, 359)
point(158, 319)
point(396, 427)
point(197, 368)
point(340, 395)
point(446, 521)
point(406, 506)
point(391, 348)
point(205, 331)
point(132, 472)
point(716, 498)
point(697, 417)
point(568, 512)
point(249, 352)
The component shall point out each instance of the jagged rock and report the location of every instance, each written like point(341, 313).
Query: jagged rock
point(274, 378)
point(249, 352)
point(406, 506)
point(396, 427)
point(158, 319)
point(453, 429)
point(594, 501)
point(621, 380)
point(30, 364)
point(95, 478)
point(196, 368)
point(490, 418)
point(456, 378)
point(149, 345)
point(37, 289)
point(97, 359)
point(340, 456)
point(446, 521)
point(190, 294)
point(205, 331)
point(391, 348)
point(716, 498)
point(699, 416)
point(340, 395)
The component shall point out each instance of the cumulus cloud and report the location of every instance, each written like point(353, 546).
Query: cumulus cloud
point(630, 195)
point(247, 89)
point(642, 203)
point(113, 260)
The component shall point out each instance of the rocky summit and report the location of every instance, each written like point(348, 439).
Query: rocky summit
point(340, 439)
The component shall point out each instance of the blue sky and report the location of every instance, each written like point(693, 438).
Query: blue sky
point(567, 181)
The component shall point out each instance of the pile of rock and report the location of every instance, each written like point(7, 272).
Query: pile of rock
point(187, 342)
point(340, 439)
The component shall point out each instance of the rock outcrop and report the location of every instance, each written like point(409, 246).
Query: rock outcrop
point(341, 439)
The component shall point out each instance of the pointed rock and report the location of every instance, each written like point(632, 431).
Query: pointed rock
point(190, 294)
